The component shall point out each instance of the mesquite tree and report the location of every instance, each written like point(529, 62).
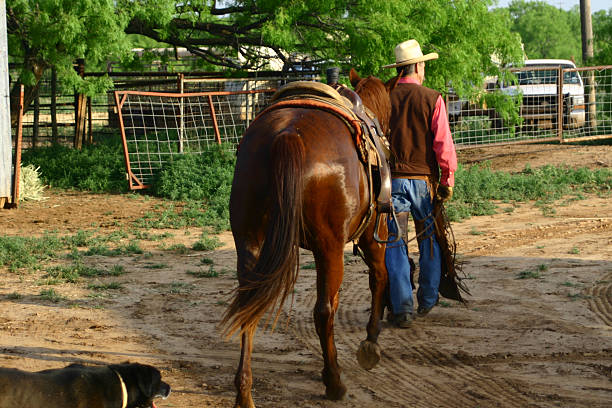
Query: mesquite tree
point(246, 34)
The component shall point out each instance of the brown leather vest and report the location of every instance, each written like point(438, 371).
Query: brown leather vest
point(412, 154)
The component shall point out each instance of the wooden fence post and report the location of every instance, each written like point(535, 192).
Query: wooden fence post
point(89, 121)
point(54, 133)
point(35, 125)
point(560, 103)
point(80, 110)
point(181, 132)
point(17, 161)
point(590, 98)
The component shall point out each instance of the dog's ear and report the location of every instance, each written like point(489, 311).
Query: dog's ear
point(149, 379)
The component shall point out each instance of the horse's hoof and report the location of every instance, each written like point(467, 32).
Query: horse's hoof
point(248, 405)
point(335, 393)
point(244, 403)
point(368, 354)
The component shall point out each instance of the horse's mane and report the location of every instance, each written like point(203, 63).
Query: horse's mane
point(376, 98)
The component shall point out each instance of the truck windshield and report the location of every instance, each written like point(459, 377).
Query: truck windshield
point(546, 77)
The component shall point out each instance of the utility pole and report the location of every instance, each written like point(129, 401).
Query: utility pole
point(587, 57)
point(5, 113)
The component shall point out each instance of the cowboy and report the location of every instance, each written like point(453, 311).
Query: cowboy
point(423, 162)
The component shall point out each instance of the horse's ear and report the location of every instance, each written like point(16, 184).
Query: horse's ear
point(354, 77)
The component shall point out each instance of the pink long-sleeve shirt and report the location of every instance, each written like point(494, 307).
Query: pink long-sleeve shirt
point(443, 144)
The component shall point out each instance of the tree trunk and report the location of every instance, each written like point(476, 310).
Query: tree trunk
point(587, 56)
point(30, 91)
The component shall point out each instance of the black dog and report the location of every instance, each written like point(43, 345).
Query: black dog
point(77, 386)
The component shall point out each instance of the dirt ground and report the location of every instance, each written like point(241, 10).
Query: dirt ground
point(541, 341)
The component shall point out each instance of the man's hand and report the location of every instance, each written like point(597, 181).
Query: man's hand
point(444, 193)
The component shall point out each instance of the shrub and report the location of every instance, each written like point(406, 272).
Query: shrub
point(98, 168)
point(205, 177)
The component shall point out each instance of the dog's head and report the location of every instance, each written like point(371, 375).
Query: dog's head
point(143, 383)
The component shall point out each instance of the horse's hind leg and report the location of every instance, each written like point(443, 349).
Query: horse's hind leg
point(247, 257)
point(244, 376)
point(330, 268)
point(369, 353)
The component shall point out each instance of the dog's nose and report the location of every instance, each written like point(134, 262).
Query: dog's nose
point(164, 390)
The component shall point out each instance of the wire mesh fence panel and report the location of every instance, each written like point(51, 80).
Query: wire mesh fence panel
point(156, 126)
point(597, 105)
point(540, 103)
point(57, 112)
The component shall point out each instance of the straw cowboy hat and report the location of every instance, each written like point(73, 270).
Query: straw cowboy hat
point(409, 52)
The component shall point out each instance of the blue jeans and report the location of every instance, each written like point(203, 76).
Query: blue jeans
point(414, 196)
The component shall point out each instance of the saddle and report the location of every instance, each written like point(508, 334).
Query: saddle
point(370, 143)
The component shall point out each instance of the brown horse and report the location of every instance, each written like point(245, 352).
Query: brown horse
point(299, 182)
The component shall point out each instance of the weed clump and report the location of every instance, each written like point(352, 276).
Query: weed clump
point(98, 167)
point(205, 178)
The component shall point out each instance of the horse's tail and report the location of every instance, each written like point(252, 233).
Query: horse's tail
point(266, 286)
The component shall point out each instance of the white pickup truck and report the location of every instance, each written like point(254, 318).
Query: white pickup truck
point(537, 82)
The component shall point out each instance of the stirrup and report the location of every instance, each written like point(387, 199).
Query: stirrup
point(392, 238)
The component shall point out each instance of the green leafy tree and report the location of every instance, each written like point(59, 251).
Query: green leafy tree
point(602, 36)
point(54, 33)
point(547, 31)
point(248, 34)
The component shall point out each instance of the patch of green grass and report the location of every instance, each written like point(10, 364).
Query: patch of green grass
point(51, 295)
point(27, 252)
point(180, 249)
point(207, 243)
point(132, 247)
point(474, 231)
point(574, 251)
point(102, 250)
point(87, 238)
point(542, 267)
point(207, 261)
point(205, 177)
point(48, 282)
point(99, 167)
point(104, 286)
point(181, 287)
point(527, 274)
point(116, 270)
point(571, 284)
point(202, 182)
point(80, 239)
point(309, 265)
point(210, 273)
point(73, 272)
point(14, 296)
point(147, 236)
point(477, 186)
point(191, 214)
point(155, 266)
point(65, 273)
